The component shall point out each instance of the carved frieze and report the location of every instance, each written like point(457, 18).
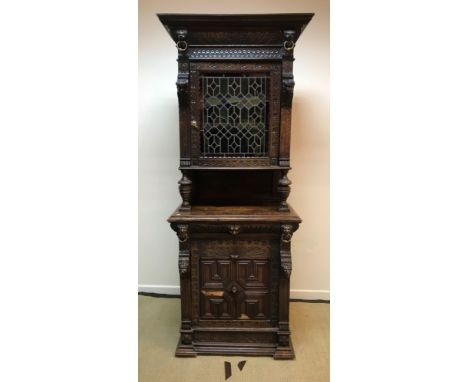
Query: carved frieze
point(231, 162)
point(235, 53)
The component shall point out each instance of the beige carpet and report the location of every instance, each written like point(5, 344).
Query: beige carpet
point(158, 336)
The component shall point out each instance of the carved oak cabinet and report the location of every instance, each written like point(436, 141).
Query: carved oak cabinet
point(234, 226)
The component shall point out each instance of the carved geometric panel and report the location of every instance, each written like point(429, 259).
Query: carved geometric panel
point(215, 303)
point(215, 273)
point(217, 307)
point(255, 305)
point(234, 288)
point(253, 273)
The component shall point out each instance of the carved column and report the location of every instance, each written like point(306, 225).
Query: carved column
point(287, 90)
point(186, 332)
point(183, 82)
point(185, 189)
point(284, 190)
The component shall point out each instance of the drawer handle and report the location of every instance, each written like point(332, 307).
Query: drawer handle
point(234, 256)
point(234, 289)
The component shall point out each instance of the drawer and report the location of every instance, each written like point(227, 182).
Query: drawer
point(238, 248)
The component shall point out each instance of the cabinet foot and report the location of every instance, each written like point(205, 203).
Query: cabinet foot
point(284, 352)
point(185, 350)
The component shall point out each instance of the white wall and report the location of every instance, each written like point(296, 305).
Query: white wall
point(159, 148)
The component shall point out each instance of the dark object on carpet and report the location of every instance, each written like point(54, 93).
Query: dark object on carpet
point(241, 365)
point(227, 370)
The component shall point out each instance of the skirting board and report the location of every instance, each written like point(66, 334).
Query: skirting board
point(300, 294)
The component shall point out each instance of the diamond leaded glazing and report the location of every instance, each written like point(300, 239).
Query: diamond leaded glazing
point(234, 116)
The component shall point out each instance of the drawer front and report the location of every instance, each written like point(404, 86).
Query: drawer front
point(235, 278)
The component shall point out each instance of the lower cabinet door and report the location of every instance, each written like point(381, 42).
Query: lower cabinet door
point(235, 279)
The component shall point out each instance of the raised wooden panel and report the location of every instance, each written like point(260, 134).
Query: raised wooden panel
point(222, 307)
point(215, 273)
point(234, 278)
point(255, 305)
point(253, 273)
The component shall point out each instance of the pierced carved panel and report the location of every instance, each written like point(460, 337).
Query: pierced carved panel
point(236, 53)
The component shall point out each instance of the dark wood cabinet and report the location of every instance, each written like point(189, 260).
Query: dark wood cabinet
point(235, 86)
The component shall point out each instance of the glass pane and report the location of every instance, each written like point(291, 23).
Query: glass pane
point(234, 116)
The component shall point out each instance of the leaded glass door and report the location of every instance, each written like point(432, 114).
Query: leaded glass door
point(235, 114)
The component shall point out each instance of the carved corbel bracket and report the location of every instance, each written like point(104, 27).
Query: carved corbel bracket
point(183, 75)
point(183, 232)
point(287, 231)
point(285, 252)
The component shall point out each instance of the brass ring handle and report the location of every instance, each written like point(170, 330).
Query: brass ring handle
point(289, 45)
point(181, 45)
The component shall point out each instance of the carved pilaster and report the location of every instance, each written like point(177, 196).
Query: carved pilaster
point(287, 88)
point(284, 190)
point(185, 189)
point(185, 346)
point(287, 91)
point(286, 264)
point(184, 263)
point(285, 251)
point(183, 74)
point(182, 88)
point(183, 94)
